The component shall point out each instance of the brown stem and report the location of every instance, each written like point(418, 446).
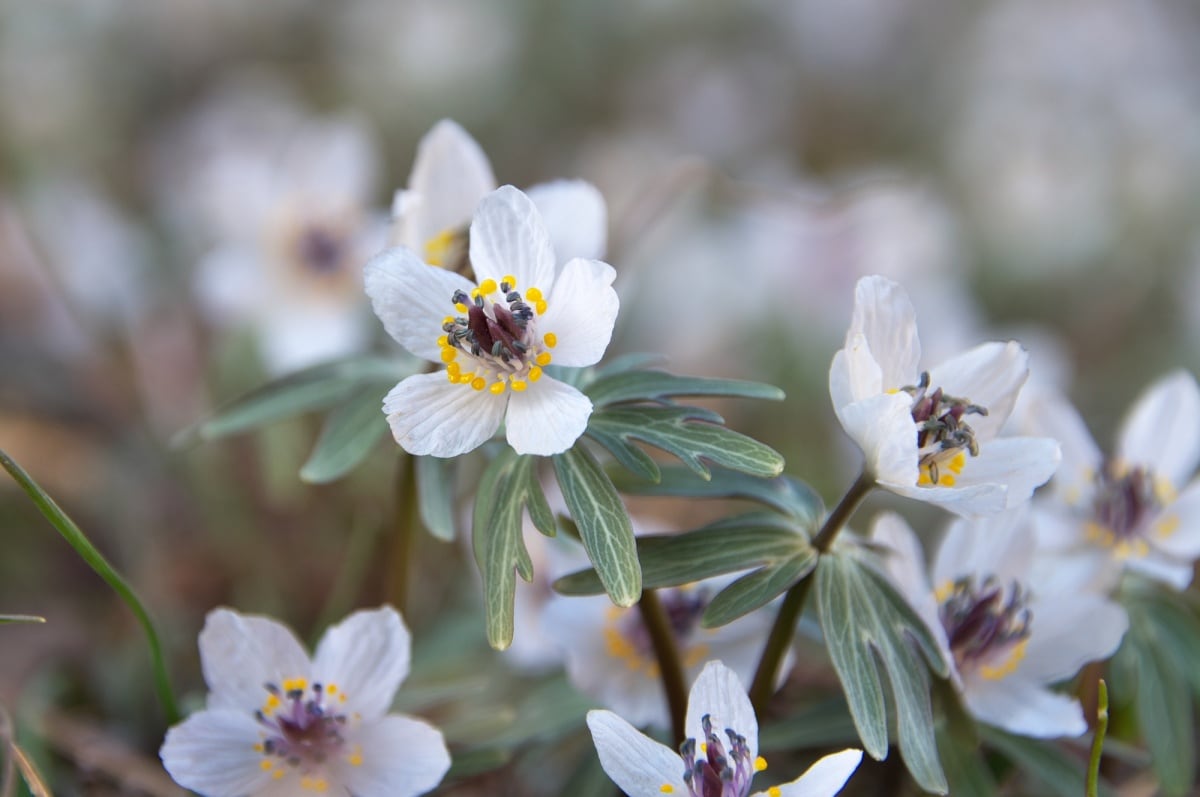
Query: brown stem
point(404, 532)
point(669, 665)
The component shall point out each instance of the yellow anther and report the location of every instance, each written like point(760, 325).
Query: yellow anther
point(277, 774)
point(774, 792)
point(1167, 526)
point(667, 788)
point(511, 280)
point(438, 246)
point(543, 358)
point(294, 684)
point(443, 341)
point(460, 307)
point(487, 286)
point(479, 383)
point(497, 388)
point(355, 759)
point(550, 339)
point(540, 306)
point(466, 378)
point(534, 294)
point(272, 703)
point(946, 480)
point(448, 354)
point(448, 319)
point(535, 374)
point(519, 385)
point(331, 689)
point(265, 764)
point(760, 764)
point(1007, 667)
point(258, 748)
point(454, 369)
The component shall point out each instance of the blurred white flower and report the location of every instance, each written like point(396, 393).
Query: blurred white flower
point(931, 435)
point(451, 174)
point(720, 725)
point(1007, 634)
point(523, 309)
point(282, 202)
point(609, 656)
point(1139, 508)
point(278, 723)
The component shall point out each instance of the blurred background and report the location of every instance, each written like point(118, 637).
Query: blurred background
point(188, 190)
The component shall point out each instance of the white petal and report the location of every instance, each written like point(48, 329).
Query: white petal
point(884, 314)
point(905, 565)
point(1000, 545)
point(639, 765)
point(824, 778)
point(990, 375)
point(230, 284)
point(1162, 429)
point(1068, 631)
point(581, 311)
point(884, 429)
point(719, 694)
point(240, 653)
point(1024, 708)
point(547, 418)
point(333, 162)
point(450, 175)
point(295, 336)
point(975, 501)
point(854, 375)
point(1049, 414)
point(1020, 463)
point(1171, 571)
point(575, 216)
point(412, 298)
point(366, 656)
point(508, 237)
point(212, 752)
point(401, 757)
point(1176, 530)
point(430, 415)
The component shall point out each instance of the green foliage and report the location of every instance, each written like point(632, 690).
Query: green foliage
point(351, 430)
point(20, 618)
point(755, 590)
point(435, 494)
point(790, 497)
point(640, 386)
point(603, 523)
point(1055, 771)
point(868, 625)
point(496, 537)
point(823, 724)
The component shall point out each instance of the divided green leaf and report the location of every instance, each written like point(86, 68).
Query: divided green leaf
point(496, 537)
point(755, 590)
point(435, 495)
point(351, 430)
point(789, 496)
point(603, 523)
point(868, 626)
point(660, 386)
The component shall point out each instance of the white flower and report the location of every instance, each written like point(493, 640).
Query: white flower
point(278, 723)
point(1137, 508)
point(610, 658)
point(931, 435)
point(722, 726)
point(451, 174)
point(1007, 634)
point(524, 313)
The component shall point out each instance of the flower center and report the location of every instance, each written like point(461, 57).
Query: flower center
point(626, 637)
point(1124, 502)
point(320, 249)
point(723, 770)
point(986, 625)
point(449, 249)
point(494, 343)
point(303, 730)
point(943, 438)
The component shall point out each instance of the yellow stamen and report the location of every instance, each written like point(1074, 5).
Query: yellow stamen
point(1167, 526)
point(550, 339)
point(535, 374)
point(448, 319)
point(443, 341)
point(497, 388)
point(277, 774)
point(454, 369)
point(355, 759)
point(510, 279)
point(1008, 666)
point(774, 792)
point(540, 306)
point(487, 286)
point(294, 684)
point(448, 354)
point(438, 246)
point(760, 764)
point(265, 764)
point(519, 385)
point(667, 788)
point(479, 383)
point(534, 294)
point(460, 307)
point(543, 358)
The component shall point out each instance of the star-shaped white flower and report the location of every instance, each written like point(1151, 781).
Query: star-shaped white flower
point(722, 728)
point(1140, 507)
point(451, 174)
point(931, 435)
point(1007, 632)
point(278, 723)
point(495, 337)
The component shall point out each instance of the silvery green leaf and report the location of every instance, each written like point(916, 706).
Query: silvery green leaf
point(783, 493)
point(435, 493)
point(1055, 771)
point(496, 537)
point(755, 590)
point(350, 431)
point(659, 386)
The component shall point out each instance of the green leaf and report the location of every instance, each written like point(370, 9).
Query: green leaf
point(313, 388)
point(966, 772)
point(689, 433)
point(669, 560)
point(603, 523)
point(1147, 658)
point(20, 618)
point(351, 430)
point(496, 537)
point(627, 362)
point(1045, 762)
point(659, 386)
point(824, 724)
point(755, 590)
point(435, 494)
point(868, 625)
point(783, 493)
point(90, 554)
point(539, 509)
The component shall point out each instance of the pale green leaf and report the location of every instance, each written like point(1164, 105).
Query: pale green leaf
point(499, 548)
point(603, 523)
point(755, 590)
point(824, 724)
point(783, 493)
point(351, 430)
point(659, 386)
point(1054, 770)
point(20, 618)
point(435, 494)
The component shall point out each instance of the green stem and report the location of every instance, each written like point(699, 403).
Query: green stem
point(784, 627)
point(1093, 778)
point(90, 554)
point(404, 532)
point(669, 665)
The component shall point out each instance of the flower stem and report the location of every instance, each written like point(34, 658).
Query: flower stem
point(1093, 776)
point(669, 665)
point(404, 532)
point(793, 602)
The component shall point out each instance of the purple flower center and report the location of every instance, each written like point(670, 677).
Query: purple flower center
point(986, 625)
point(304, 727)
point(723, 770)
point(942, 432)
point(1125, 499)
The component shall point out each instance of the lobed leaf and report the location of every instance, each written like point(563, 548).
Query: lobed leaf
point(496, 538)
point(755, 590)
point(789, 496)
point(350, 431)
point(691, 434)
point(435, 495)
point(868, 625)
point(603, 523)
point(660, 386)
